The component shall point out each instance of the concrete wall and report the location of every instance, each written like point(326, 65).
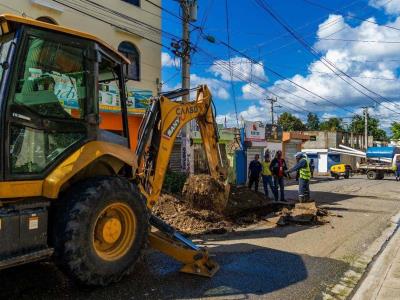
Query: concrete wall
point(150, 53)
point(332, 139)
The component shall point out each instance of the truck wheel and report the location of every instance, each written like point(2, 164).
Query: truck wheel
point(380, 176)
point(372, 175)
point(102, 228)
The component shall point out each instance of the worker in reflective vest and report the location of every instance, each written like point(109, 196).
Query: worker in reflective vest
point(303, 166)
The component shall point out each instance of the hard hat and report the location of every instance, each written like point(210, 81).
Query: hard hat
point(299, 154)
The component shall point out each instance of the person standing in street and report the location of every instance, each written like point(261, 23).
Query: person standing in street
point(303, 166)
point(312, 167)
point(397, 172)
point(278, 168)
point(255, 169)
point(267, 176)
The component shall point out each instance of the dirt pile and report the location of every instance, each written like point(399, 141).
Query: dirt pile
point(205, 192)
point(186, 219)
point(243, 201)
point(244, 207)
point(205, 208)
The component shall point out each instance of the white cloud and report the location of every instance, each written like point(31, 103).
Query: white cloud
point(243, 70)
point(229, 119)
point(253, 91)
point(365, 62)
point(326, 116)
point(218, 88)
point(252, 113)
point(391, 7)
point(256, 113)
point(168, 61)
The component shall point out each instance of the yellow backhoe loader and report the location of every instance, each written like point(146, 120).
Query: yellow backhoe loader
point(69, 190)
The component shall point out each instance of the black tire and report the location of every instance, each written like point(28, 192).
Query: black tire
point(82, 208)
point(372, 175)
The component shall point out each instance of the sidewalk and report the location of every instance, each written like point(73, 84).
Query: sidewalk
point(383, 279)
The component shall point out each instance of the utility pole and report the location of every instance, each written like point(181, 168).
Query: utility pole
point(185, 60)
point(189, 13)
point(272, 101)
point(365, 127)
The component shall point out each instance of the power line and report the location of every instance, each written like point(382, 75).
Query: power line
point(229, 58)
point(360, 41)
point(284, 78)
point(260, 94)
point(351, 16)
point(323, 27)
point(323, 60)
point(277, 74)
point(314, 71)
point(126, 18)
point(171, 13)
point(109, 23)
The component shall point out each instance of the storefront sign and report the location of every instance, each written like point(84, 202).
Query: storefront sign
point(109, 99)
point(254, 131)
point(273, 133)
point(66, 90)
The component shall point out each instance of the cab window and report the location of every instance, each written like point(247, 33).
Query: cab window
point(48, 106)
point(52, 81)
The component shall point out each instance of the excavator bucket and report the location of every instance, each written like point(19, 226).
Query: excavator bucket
point(205, 192)
point(195, 259)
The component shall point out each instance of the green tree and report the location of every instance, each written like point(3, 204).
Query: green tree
point(395, 128)
point(312, 121)
point(290, 122)
point(332, 124)
point(358, 123)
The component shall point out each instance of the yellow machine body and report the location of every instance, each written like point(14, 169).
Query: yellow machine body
point(103, 158)
point(340, 170)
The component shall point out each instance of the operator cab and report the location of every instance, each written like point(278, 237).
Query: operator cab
point(50, 78)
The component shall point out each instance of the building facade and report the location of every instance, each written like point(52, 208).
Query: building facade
point(332, 139)
point(133, 27)
point(319, 142)
point(292, 142)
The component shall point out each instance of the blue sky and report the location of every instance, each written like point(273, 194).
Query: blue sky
point(350, 44)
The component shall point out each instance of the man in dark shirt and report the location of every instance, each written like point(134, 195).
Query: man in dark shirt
point(255, 169)
point(278, 168)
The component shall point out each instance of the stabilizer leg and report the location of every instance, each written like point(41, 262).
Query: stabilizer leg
point(196, 260)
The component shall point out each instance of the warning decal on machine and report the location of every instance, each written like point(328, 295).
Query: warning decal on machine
point(33, 222)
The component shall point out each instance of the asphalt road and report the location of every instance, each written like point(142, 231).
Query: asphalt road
point(292, 262)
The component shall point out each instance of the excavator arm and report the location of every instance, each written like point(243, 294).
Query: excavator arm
point(160, 127)
point(159, 130)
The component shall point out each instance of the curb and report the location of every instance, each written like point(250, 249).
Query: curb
point(359, 269)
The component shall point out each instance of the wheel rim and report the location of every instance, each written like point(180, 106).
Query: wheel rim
point(114, 231)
